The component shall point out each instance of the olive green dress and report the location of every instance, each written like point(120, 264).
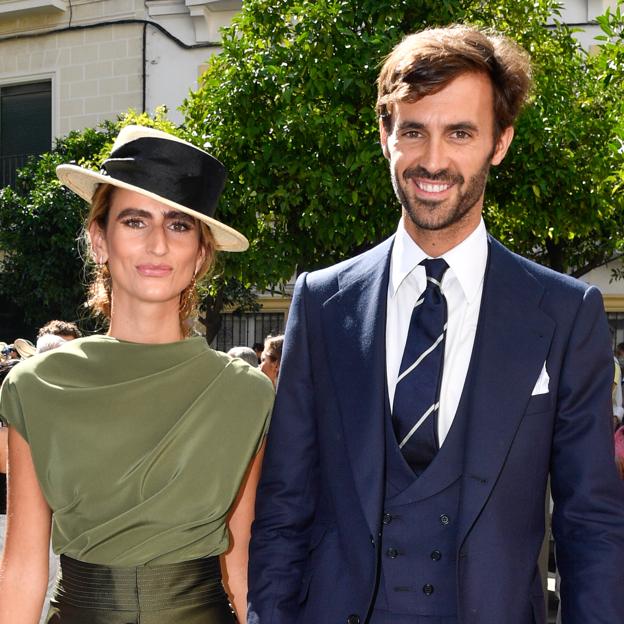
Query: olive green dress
point(139, 449)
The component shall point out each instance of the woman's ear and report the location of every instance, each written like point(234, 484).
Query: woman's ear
point(99, 248)
point(201, 256)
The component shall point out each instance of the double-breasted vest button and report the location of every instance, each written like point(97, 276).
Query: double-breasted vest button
point(444, 519)
point(354, 618)
point(436, 555)
point(393, 553)
point(387, 518)
point(428, 589)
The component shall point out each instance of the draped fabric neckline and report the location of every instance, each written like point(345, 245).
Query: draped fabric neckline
point(139, 448)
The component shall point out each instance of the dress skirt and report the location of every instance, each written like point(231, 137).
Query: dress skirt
point(190, 592)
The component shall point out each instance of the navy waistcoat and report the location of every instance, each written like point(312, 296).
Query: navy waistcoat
point(419, 539)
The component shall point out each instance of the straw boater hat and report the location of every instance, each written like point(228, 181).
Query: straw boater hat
point(165, 168)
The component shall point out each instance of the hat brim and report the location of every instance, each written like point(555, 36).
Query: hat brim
point(24, 347)
point(84, 183)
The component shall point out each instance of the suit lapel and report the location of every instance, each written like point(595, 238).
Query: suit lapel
point(511, 346)
point(354, 321)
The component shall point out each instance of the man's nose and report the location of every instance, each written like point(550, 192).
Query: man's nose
point(435, 157)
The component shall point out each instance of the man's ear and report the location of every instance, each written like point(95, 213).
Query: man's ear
point(383, 138)
point(502, 145)
point(99, 248)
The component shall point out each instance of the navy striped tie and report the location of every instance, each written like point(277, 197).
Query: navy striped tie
point(417, 394)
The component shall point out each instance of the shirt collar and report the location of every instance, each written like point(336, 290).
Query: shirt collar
point(467, 261)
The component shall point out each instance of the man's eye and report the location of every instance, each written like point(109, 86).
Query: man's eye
point(461, 134)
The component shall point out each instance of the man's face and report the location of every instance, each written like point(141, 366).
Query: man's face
point(440, 150)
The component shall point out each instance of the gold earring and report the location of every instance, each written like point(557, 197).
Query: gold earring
point(187, 299)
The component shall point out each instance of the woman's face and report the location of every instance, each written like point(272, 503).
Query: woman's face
point(269, 366)
point(152, 250)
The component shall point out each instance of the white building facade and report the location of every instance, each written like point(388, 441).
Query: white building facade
point(76, 63)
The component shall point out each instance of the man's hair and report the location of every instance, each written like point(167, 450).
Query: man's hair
point(427, 61)
point(246, 354)
point(60, 328)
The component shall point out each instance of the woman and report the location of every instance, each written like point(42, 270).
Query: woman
point(271, 357)
point(139, 449)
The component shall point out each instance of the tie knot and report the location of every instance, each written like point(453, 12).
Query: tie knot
point(435, 268)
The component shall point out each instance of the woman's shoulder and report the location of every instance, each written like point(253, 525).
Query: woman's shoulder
point(241, 375)
point(33, 366)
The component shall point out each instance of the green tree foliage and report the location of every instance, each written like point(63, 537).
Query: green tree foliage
point(289, 107)
point(554, 198)
point(42, 271)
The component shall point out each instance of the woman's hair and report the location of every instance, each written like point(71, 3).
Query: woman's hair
point(100, 286)
point(426, 62)
point(273, 347)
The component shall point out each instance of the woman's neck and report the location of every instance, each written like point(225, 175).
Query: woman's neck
point(146, 322)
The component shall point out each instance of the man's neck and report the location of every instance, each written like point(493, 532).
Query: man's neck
point(436, 243)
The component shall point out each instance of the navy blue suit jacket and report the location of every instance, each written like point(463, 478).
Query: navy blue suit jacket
point(315, 540)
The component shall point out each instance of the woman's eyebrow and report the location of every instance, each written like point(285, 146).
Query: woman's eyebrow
point(134, 212)
point(178, 214)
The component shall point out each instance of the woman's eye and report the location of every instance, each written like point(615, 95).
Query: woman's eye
point(133, 222)
point(180, 226)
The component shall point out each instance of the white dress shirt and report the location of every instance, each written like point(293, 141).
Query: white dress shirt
point(462, 286)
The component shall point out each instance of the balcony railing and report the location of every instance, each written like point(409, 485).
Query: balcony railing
point(9, 166)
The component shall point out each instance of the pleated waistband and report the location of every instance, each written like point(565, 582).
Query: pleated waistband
point(142, 588)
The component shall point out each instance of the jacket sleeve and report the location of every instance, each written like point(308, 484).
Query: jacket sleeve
point(288, 489)
point(588, 516)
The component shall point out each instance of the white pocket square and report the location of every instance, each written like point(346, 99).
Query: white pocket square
point(541, 387)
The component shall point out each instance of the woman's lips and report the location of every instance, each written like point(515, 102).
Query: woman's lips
point(154, 270)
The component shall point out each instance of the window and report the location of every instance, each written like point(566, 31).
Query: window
point(616, 323)
point(25, 126)
point(242, 330)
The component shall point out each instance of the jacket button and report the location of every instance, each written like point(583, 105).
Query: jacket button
point(436, 555)
point(353, 619)
point(428, 589)
point(393, 553)
point(387, 518)
point(444, 519)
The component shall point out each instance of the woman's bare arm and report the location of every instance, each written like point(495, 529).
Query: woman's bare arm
point(234, 561)
point(4, 448)
point(24, 567)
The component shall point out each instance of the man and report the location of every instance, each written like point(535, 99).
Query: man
point(406, 467)
point(56, 333)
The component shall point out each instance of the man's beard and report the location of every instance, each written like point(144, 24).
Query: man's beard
point(436, 214)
